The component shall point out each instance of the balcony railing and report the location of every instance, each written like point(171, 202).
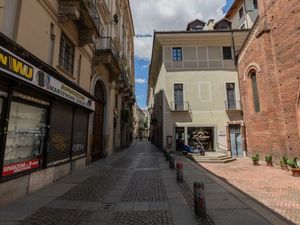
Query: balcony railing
point(233, 105)
point(107, 54)
point(180, 106)
point(91, 7)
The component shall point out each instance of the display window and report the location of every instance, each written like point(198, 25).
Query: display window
point(201, 136)
point(25, 138)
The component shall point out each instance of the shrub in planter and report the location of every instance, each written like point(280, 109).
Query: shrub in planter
point(269, 160)
point(255, 159)
point(284, 162)
point(294, 166)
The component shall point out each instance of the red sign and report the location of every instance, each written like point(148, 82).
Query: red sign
point(19, 167)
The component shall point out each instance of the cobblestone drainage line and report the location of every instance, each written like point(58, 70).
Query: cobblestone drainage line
point(108, 206)
point(189, 197)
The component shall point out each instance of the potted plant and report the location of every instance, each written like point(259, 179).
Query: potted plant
point(283, 163)
point(294, 166)
point(269, 160)
point(255, 159)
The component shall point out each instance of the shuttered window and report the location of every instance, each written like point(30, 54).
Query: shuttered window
point(256, 102)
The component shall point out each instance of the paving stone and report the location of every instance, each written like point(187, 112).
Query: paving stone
point(155, 206)
point(145, 186)
point(148, 163)
point(143, 218)
point(48, 216)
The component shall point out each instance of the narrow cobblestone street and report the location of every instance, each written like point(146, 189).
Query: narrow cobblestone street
point(134, 187)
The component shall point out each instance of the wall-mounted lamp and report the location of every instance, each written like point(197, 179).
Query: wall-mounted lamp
point(116, 18)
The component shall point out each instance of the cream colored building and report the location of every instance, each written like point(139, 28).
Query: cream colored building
point(193, 86)
point(114, 76)
point(66, 88)
point(242, 14)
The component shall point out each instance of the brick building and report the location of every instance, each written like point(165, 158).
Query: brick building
point(269, 65)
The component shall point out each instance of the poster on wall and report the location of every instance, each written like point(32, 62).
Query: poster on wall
point(14, 168)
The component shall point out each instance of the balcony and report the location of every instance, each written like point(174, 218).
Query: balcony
point(180, 107)
point(233, 105)
point(86, 16)
point(107, 54)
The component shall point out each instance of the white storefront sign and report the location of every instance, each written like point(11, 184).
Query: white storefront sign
point(19, 68)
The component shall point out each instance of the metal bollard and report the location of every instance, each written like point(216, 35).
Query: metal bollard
point(172, 162)
point(199, 199)
point(179, 170)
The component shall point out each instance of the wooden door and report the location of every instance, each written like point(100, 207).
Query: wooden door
point(98, 145)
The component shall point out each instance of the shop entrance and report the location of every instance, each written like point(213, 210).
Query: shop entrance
point(180, 137)
point(236, 141)
point(98, 150)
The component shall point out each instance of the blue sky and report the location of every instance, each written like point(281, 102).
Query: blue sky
point(147, 20)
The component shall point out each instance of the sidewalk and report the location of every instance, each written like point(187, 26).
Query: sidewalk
point(135, 187)
point(275, 188)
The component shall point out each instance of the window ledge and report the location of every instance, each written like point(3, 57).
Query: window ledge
point(64, 72)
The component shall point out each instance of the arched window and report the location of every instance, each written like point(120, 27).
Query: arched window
point(256, 103)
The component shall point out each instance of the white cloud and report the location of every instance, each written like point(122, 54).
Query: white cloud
point(140, 81)
point(150, 15)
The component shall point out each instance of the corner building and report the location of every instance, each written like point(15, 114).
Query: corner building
point(48, 92)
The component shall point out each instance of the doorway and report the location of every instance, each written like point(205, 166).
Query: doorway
point(180, 137)
point(236, 141)
point(98, 148)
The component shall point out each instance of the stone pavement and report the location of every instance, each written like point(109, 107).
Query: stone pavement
point(272, 186)
point(135, 187)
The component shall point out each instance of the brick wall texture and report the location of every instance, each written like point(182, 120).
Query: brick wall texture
point(273, 51)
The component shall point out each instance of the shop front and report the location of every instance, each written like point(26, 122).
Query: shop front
point(43, 116)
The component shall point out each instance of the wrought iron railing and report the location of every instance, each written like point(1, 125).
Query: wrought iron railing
point(233, 105)
point(91, 7)
point(180, 106)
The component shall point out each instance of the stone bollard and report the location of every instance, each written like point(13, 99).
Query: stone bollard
point(179, 170)
point(172, 162)
point(199, 199)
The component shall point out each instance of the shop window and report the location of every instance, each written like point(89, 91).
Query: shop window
point(25, 138)
point(227, 54)
point(177, 54)
point(66, 54)
point(201, 136)
point(255, 95)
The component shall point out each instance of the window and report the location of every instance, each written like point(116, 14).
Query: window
point(178, 97)
point(230, 92)
point(227, 53)
point(66, 54)
point(25, 138)
point(177, 54)
point(255, 5)
point(241, 12)
point(256, 103)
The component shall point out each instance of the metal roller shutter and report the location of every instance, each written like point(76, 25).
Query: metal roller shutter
point(80, 132)
point(60, 133)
